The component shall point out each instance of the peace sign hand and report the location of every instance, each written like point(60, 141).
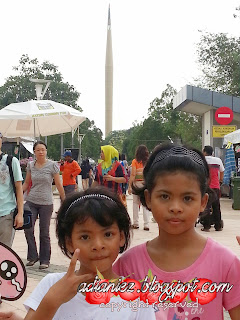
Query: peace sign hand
point(66, 288)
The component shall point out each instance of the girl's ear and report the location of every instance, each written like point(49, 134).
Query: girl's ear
point(147, 196)
point(69, 245)
point(122, 239)
point(204, 202)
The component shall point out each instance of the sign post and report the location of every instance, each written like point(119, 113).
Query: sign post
point(224, 115)
point(221, 131)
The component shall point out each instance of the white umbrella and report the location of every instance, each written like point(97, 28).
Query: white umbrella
point(38, 117)
point(233, 137)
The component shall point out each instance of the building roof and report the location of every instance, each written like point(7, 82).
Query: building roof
point(198, 101)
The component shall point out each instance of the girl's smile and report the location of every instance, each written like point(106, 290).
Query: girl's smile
point(176, 209)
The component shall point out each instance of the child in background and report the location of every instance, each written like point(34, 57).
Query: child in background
point(176, 181)
point(92, 227)
point(137, 180)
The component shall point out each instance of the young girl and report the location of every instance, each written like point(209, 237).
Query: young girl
point(92, 227)
point(175, 191)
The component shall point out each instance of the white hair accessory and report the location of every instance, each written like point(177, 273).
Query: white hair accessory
point(87, 197)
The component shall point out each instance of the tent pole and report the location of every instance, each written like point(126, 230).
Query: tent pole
point(34, 129)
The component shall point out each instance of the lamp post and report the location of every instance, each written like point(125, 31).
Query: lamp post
point(39, 87)
point(80, 139)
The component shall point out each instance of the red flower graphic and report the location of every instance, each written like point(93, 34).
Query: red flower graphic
point(203, 297)
point(150, 297)
point(96, 297)
point(130, 296)
point(178, 296)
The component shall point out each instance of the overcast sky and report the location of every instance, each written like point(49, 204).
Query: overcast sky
point(154, 43)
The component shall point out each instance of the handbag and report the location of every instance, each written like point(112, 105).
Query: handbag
point(27, 214)
point(27, 217)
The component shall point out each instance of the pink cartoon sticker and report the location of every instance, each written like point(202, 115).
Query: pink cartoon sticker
point(13, 276)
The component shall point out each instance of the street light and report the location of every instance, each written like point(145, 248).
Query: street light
point(80, 139)
point(39, 86)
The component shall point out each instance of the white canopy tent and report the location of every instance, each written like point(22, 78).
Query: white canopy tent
point(25, 141)
point(233, 137)
point(38, 117)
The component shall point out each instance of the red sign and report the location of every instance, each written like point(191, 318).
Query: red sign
point(224, 115)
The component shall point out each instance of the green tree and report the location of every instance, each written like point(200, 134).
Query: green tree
point(19, 88)
point(116, 139)
point(92, 141)
point(163, 124)
point(219, 60)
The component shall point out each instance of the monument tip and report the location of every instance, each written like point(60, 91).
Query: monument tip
point(109, 17)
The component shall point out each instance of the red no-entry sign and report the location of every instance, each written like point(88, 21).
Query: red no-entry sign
point(224, 115)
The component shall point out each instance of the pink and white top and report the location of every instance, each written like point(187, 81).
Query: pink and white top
point(216, 263)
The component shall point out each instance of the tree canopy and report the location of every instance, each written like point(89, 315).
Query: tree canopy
point(162, 124)
point(219, 60)
point(19, 88)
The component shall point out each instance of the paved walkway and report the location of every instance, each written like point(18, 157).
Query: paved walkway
point(59, 262)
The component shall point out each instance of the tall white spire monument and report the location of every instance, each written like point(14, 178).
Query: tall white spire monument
point(108, 79)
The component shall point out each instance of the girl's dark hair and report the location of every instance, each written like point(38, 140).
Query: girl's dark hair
point(39, 142)
point(142, 154)
point(104, 211)
point(172, 164)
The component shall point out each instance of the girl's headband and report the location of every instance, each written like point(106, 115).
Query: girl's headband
point(88, 196)
point(179, 152)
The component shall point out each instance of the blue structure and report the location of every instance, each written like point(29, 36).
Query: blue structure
point(204, 103)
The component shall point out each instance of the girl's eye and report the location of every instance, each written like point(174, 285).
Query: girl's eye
point(187, 198)
point(164, 196)
point(84, 237)
point(108, 234)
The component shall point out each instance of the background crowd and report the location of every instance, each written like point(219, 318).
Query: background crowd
point(112, 171)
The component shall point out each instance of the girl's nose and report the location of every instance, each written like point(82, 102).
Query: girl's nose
point(98, 244)
point(176, 207)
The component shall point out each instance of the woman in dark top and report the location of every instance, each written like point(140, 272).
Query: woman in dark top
point(86, 173)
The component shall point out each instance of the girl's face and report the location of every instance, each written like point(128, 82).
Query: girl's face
point(40, 151)
point(176, 202)
point(99, 246)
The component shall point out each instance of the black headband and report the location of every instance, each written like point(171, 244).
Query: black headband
point(179, 152)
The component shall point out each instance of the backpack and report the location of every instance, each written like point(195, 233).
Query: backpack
point(9, 164)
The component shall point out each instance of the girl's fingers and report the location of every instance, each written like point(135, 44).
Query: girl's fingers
point(73, 261)
point(5, 315)
point(87, 276)
point(238, 239)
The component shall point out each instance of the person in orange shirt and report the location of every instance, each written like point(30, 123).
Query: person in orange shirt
point(70, 169)
point(137, 180)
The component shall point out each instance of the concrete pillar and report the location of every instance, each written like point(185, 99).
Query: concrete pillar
point(207, 120)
